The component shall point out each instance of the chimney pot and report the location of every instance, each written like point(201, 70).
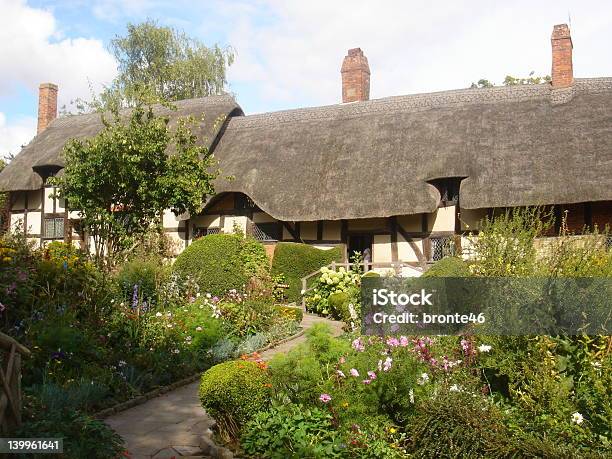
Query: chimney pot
point(355, 76)
point(47, 105)
point(562, 68)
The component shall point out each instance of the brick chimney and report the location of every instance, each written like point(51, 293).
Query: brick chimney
point(562, 69)
point(47, 105)
point(355, 77)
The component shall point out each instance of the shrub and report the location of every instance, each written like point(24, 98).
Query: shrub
point(291, 313)
point(296, 260)
point(465, 425)
point(221, 262)
point(448, 267)
point(291, 431)
point(233, 392)
point(83, 436)
point(141, 278)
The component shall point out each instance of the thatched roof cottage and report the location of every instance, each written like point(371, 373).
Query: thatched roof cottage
point(405, 176)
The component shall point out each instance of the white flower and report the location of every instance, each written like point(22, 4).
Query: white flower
point(169, 325)
point(208, 295)
point(411, 394)
point(340, 373)
point(169, 314)
point(596, 364)
point(188, 338)
point(198, 295)
point(302, 291)
point(198, 328)
point(577, 418)
point(122, 363)
point(159, 314)
point(454, 388)
point(387, 364)
point(176, 351)
point(484, 348)
point(423, 379)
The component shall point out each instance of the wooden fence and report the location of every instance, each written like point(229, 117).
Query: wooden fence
point(10, 378)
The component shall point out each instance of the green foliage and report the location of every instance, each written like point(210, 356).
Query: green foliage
point(233, 392)
point(291, 431)
point(304, 371)
point(141, 279)
point(166, 64)
point(298, 260)
point(84, 436)
point(458, 425)
point(336, 294)
point(512, 81)
point(448, 267)
point(222, 262)
point(505, 244)
point(122, 179)
point(291, 313)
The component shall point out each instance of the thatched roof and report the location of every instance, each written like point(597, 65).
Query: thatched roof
point(45, 149)
point(516, 145)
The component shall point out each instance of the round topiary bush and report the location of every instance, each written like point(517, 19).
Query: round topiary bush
point(448, 267)
point(221, 262)
point(233, 392)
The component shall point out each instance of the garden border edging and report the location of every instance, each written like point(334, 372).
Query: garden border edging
point(103, 414)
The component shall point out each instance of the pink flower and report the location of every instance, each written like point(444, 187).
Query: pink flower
point(340, 373)
point(358, 345)
point(325, 398)
point(354, 373)
point(366, 381)
point(392, 342)
point(372, 375)
point(342, 359)
point(403, 341)
point(387, 364)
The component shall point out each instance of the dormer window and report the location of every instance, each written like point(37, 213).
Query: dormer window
point(449, 190)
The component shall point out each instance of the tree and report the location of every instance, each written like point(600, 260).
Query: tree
point(123, 179)
point(513, 81)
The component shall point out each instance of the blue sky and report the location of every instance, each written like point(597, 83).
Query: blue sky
point(289, 52)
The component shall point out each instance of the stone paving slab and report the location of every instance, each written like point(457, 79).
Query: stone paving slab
point(172, 424)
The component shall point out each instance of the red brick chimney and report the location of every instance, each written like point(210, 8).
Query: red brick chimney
point(562, 68)
point(47, 105)
point(355, 77)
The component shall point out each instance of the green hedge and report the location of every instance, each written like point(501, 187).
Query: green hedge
point(221, 262)
point(296, 260)
point(448, 267)
point(233, 392)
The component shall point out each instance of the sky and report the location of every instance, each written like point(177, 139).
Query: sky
point(289, 52)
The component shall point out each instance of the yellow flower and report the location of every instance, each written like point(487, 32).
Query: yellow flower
point(392, 430)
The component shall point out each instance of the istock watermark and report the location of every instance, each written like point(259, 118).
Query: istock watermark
point(507, 306)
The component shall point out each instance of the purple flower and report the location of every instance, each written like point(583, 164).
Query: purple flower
point(366, 381)
point(21, 276)
point(135, 297)
point(372, 375)
point(354, 372)
point(325, 398)
point(392, 342)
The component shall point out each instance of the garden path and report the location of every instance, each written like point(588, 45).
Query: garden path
point(172, 424)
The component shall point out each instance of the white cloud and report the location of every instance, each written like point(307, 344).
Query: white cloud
point(290, 51)
point(33, 51)
point(18, 133)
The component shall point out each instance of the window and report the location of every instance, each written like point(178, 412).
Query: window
point(442, 247)
point(449, 190)
point(54, 228)
point(267, 231)
point(242, 201)
point(200, 232)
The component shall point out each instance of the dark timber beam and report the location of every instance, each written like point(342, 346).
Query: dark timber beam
point(293, 231)
point(413, 245)
point(393, 229)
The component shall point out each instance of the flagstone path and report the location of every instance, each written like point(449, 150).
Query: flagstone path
point(173, 424)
